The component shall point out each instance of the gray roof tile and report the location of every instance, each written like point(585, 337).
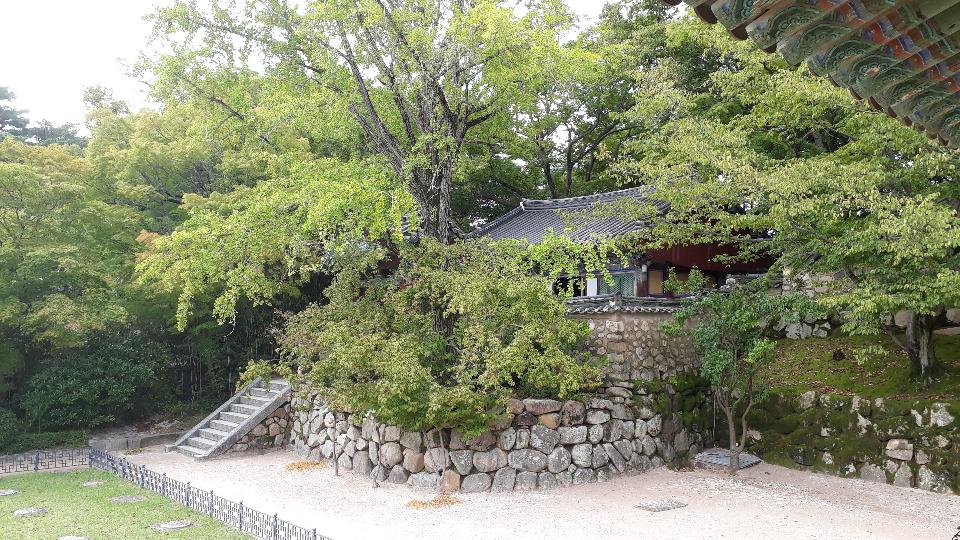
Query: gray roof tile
point(592, 217)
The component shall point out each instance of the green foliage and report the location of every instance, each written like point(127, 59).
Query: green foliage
point(114, 377)
point(26, 442)
point(9, 427)
point(260, 243)
point(756, 152)
point(443, 342)
point(731, 331)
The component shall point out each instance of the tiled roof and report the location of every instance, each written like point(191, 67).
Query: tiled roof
point(588, 305)
point(579, 218)
point(900, 56)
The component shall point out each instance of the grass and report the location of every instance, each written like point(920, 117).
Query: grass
point(81, 511)
point(833, 365)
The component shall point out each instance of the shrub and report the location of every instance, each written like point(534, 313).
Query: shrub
point(115, 377)
point(26, 442)
point(9, 427)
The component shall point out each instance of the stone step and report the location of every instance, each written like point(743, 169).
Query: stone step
point(254, 401)
point(244, 409)
point(191, 451)
point(262, 393)
point(278, 386)
point(223, 425)
point(202, 443)
point(213, 434)
point(235, 417)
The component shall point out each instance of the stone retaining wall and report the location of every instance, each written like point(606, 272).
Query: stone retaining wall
point(541, 443)
point(271, 433)
point(909, 444)
point(636, 348)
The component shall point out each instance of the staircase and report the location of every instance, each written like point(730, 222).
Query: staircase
point(234, 419)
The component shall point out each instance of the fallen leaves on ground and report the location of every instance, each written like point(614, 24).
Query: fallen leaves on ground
point(305, 466)
point(440, 501)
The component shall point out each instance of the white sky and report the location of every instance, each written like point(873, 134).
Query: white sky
point(55, 48)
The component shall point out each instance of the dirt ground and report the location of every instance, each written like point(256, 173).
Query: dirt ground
point(764, 502)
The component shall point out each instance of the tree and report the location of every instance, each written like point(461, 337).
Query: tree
point(375, 346)
point(777, 161)
point(419, 77)
point(732, 331)
point(12, 121)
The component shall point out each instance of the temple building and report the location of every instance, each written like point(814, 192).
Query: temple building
point(608, 215)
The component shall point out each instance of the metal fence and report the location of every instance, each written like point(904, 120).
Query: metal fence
point(235, 514)
point(44, 460)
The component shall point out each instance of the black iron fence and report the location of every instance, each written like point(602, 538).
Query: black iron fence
point(44, 460)
point(234, 514)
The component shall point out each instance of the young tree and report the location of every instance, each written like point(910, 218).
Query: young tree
point(731, 330)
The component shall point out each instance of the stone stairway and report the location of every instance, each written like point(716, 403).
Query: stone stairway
point(216, 433)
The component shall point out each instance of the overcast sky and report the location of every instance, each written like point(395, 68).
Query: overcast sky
point(52, 49)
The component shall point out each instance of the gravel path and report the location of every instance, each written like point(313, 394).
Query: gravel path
point(761, 503)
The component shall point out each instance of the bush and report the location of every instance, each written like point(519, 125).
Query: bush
point(9, 427)
point(27, 442)
point(115, 377)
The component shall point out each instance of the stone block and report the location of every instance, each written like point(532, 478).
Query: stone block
point(572, 413)
point(462, 461)
point(490, 461)
point(475, 483)
point(541, 406)
point(413, 460)
point(572, 434)
point(528, 460)
point(504, 479)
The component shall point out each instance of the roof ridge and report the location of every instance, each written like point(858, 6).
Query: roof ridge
point(582, 200)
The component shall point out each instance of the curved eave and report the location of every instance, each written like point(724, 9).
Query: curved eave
point(901, 57)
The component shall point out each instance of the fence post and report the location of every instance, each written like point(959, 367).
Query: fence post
point(36, 461)
point(314, 534)
point(241, 516)
point(189, 493)
point(163, 485)
point(210, 504)
point(274, 527)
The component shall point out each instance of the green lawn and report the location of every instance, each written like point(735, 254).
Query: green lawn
point(831, 365)
point(82, 511)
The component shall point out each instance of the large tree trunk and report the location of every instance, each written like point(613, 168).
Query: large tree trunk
point(919, 347)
